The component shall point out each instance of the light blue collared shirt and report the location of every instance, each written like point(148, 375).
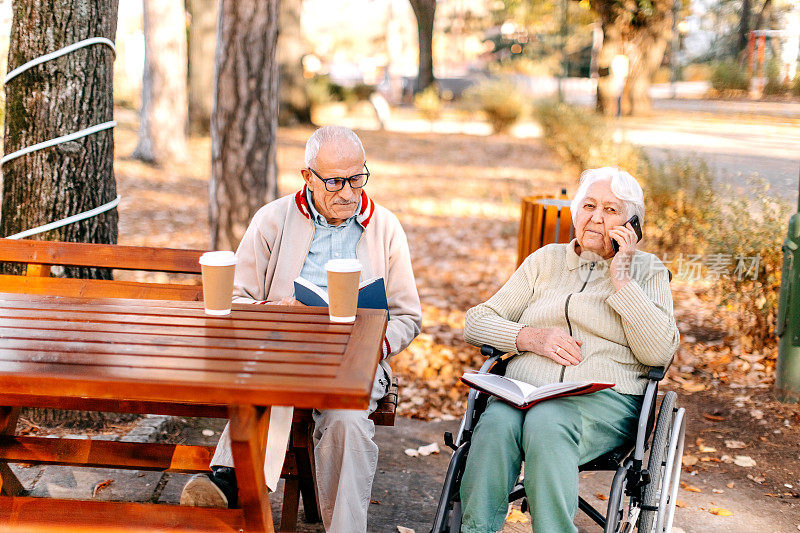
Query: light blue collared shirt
point(330, 242)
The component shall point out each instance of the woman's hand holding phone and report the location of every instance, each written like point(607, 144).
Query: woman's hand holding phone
point(625, 238)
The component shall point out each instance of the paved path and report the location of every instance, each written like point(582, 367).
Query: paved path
point(736, 146)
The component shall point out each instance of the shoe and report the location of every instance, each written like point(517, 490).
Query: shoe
point(217, 489)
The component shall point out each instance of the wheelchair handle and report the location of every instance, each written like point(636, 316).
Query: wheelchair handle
point(490, 351)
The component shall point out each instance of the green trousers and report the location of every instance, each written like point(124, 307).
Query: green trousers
point(553, 438)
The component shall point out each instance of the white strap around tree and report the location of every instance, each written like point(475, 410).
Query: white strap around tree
point(64, 138)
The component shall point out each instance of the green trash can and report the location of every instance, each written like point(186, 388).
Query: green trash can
point(787, 373)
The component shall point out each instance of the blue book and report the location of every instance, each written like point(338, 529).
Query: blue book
point(371, 294)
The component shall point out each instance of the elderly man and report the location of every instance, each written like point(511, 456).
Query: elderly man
point(331, 218)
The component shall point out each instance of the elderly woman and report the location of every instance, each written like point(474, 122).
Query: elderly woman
point(571, 312)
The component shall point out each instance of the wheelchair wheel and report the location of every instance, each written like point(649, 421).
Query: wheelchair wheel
point(664, 466)
point(618, 504)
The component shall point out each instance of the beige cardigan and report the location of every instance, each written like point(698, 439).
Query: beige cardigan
point(623, 332)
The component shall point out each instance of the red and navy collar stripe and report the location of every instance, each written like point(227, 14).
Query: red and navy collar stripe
point(364, 215)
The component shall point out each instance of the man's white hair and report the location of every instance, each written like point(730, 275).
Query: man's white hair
point(338, 136)
point(623, 185)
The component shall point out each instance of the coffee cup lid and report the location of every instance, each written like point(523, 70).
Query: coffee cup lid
point(343, 265)
point(221, 258)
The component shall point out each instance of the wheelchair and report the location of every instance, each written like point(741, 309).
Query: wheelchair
point(641, 499)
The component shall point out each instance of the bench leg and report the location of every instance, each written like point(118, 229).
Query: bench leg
point(248, 432)
point(291, 503)
point(9, 483)
point(302, 444)
point(307, 479)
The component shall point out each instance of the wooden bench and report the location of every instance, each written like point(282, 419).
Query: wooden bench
point(40, 256)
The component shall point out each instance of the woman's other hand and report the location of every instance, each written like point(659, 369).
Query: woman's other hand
point(621, 264)
point(553, 343)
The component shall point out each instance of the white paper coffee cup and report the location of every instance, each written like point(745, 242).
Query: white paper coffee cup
point(343, 276)
point(218, 269)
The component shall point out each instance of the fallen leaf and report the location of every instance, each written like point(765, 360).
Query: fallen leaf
point(756, 479)
point(744, 460)
point(401, 529)
point(773, 495)
point(430, 449)
point(208, 432)
point(376, 502)
point(706, 449)
point(693, 386)
point(719, 511)
point(680, 503)
point(715, 418)
point(758, 414)
point(100, 485)
point(734, 444)
point(515, 516)
point(601, 496)
point(730, 485)
point(690, 488)
point(717, 491)
point(411, 452)
point(689, 460)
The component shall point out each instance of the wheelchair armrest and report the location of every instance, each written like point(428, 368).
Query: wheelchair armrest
point(490, 351)
point(657, 373)
point(494, 356)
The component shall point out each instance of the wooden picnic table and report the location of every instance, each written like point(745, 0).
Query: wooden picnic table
point(159, 356)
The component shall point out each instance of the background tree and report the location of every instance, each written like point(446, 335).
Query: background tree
point(202, 44)
point(641, 30)
point(243, 126)
point(56, 98)
point(424, 11)
point(162, 126)
point(294, 106)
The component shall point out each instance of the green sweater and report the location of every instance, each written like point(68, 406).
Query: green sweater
point(623, 332)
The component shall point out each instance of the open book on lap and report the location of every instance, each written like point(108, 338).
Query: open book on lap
point(371, 294)
point(524, 395)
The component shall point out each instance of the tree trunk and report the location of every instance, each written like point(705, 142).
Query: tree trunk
point(162, 127)
point(61, 96)
point(643, 38)
point(244, 173)
point(744, 26)
point(56, 98)
point(424, 11)
point(202, 43)
point(763, 16)
point(646, 54)
point(294, 107)
point(611, 46)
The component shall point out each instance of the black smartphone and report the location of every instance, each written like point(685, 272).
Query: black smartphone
point(634, 222)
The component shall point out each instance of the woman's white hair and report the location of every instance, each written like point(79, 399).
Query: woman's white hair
point(623, 185)
point(338, 136)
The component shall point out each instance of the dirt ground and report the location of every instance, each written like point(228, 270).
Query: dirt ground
point(458, 197)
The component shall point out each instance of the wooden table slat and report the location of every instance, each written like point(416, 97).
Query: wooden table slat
point(188, 321)
point(176, 331)
point(97, 360)
point(301, 314)
point(130, 343)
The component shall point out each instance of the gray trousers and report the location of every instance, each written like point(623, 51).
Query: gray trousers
point(346, 458)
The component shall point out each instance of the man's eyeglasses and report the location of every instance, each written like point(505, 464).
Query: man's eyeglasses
point(337, 184)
